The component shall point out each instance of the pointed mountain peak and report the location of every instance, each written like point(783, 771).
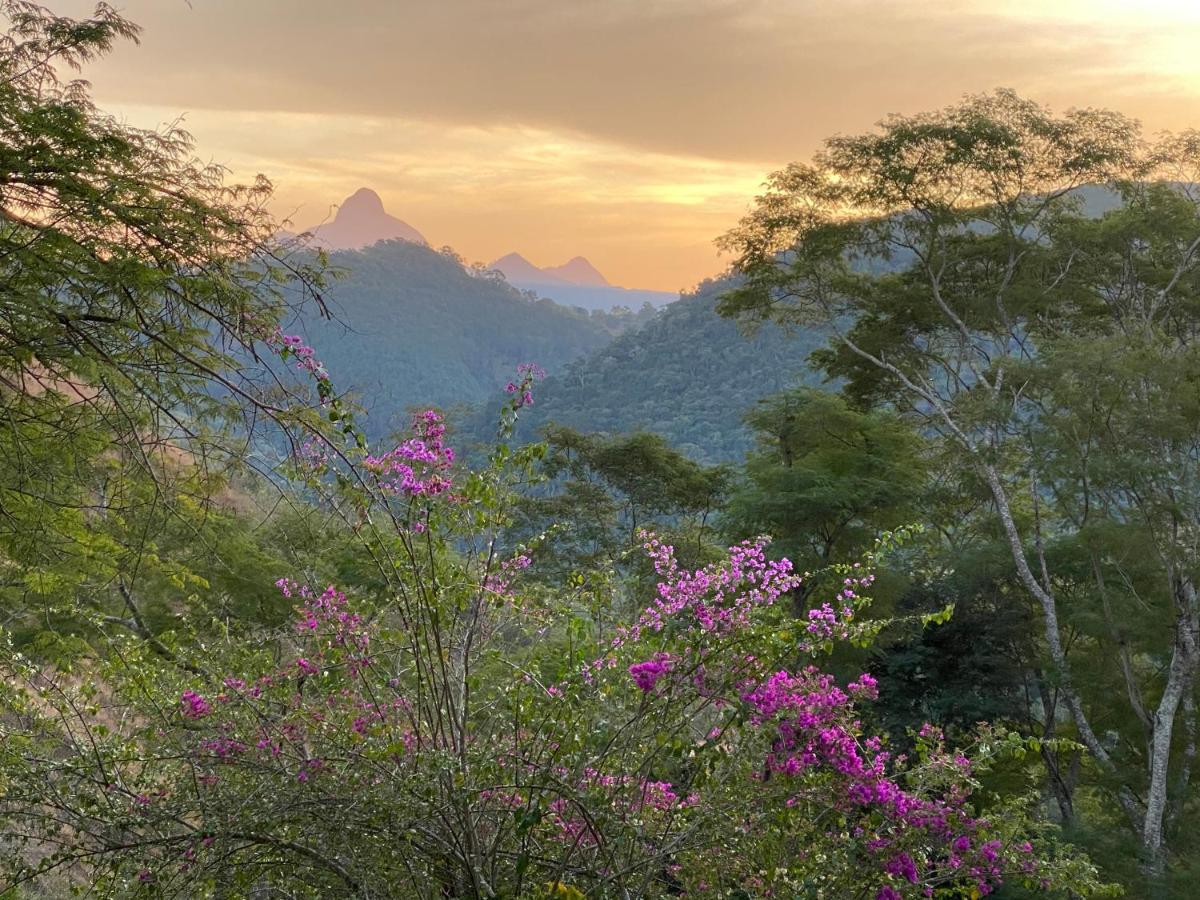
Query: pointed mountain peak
point(361, 220)
point(578, 271)
point(512, 259)
point(364, 201)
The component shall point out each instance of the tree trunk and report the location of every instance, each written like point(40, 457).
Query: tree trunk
point(1180, 683)
point(1053, 635)
point(1062, 787)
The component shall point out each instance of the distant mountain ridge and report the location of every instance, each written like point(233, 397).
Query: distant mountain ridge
point(516, 268)
point(413, 326)
point(575, 283)
point(687, 374)
point(362, 221)
point(577, 271)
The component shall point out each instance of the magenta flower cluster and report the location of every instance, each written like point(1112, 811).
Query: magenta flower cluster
point(418, 467)
point(832, 620)
point(292, 345)
point(522, 387)
point(329, 615)
point(691, 654)
point(194, 706)
point(718, 598)
point(336, 638)
point(646, 674)
point(812, 722)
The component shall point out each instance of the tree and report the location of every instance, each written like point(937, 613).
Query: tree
point(826, 478)
point(602, 490)
point(969, 285)
point(432, 735)
point(140, 304)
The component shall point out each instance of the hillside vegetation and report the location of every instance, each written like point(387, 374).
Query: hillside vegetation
point(964, 664)
point(412, 325)
point(688, 374)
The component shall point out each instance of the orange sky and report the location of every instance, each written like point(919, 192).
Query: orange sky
point(629, 131)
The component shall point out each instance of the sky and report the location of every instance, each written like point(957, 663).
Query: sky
point(633, 132)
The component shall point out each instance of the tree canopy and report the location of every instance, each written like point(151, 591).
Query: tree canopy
point(971, 287)
point(248, 647)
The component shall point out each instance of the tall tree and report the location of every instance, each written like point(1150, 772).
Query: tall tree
point(969, 284)
point(604, 489)
point(140, 304)
point(826, 478)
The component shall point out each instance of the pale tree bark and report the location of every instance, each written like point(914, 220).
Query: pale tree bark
point(1184, 778)
point(1146, 816)
point(1181, 679)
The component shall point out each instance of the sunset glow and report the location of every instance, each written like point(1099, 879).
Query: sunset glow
point(632, 132)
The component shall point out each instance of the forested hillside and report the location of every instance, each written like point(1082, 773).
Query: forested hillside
point(412, 325)
point(936, 634)
point(693, 375)
point(688, 374)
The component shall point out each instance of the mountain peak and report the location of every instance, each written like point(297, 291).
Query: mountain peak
point(518, 270)
point(362, 220)
point(513, 259)
point(364, 201)
point(579, 270)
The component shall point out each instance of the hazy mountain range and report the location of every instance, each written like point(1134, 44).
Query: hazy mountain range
point(578, 271)
point(412, 326)
point(687, 374)
point(575, 283)
point(416, 326)
point(361, 220)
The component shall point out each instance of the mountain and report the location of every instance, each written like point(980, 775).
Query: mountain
point(575, 283)
point(412, 326)
point(688, 374)
point(517, 269)
point(361, 221)
point(578, 270)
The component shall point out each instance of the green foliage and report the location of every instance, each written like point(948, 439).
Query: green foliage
point(695, 375)
point(139, 298)
point(413, 326)
point(447, 731)
point(600, 491)
point(466, 752)
point(826, 478)
point(1048, 341)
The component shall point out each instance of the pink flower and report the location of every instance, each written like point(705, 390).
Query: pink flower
point(646, 674)
point(194, 706)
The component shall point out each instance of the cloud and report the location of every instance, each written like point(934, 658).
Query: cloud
point(634, 131)
point(646, 218)
point(740, 79)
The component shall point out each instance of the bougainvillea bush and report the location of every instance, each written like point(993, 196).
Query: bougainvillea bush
point(438, 724)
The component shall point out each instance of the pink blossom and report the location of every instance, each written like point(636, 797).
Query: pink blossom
point(194, 706)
